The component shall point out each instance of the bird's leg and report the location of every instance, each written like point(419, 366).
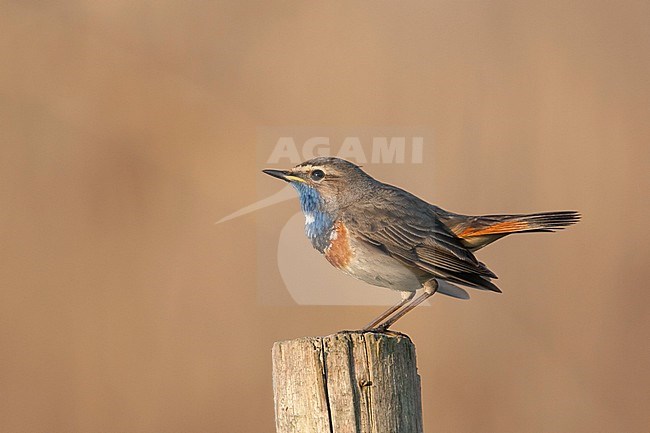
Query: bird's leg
point(430, 287)
point(406, 296)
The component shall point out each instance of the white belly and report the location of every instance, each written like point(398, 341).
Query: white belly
point(374, 267)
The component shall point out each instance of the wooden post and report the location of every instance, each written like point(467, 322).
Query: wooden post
point(350, 382)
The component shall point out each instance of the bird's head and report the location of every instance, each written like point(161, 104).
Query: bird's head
point(325, 183)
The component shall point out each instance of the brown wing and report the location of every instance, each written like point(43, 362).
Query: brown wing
point(409, 230)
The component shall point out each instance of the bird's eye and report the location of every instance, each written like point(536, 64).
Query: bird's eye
point(317, 175)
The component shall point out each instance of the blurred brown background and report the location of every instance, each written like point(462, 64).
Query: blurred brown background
point(129, 128)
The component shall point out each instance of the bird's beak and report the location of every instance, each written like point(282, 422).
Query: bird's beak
point(284, 175)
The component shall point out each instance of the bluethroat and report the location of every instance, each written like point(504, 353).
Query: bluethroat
point(390, 238)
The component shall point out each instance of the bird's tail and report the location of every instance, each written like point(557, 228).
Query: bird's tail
point(477, 232)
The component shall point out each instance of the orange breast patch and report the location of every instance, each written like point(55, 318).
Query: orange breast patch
point(339, 252)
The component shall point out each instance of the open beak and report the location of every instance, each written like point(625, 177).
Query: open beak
point(284, 175)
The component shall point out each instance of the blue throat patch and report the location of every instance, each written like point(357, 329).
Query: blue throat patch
point(318, 224)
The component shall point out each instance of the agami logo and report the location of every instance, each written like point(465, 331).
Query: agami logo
point(384, 150)
point(289, 270)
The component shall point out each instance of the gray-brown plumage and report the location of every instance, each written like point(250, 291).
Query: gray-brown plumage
point(388, 237)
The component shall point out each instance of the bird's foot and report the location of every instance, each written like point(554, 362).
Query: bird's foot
point(381, 329)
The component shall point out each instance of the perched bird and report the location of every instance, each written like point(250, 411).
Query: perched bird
point(388, 237)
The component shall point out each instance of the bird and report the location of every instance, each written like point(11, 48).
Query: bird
point(388, 237)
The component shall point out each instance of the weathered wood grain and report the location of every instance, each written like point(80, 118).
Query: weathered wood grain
point(349, 382)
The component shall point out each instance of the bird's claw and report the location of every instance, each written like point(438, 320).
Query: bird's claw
point(379, 329)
